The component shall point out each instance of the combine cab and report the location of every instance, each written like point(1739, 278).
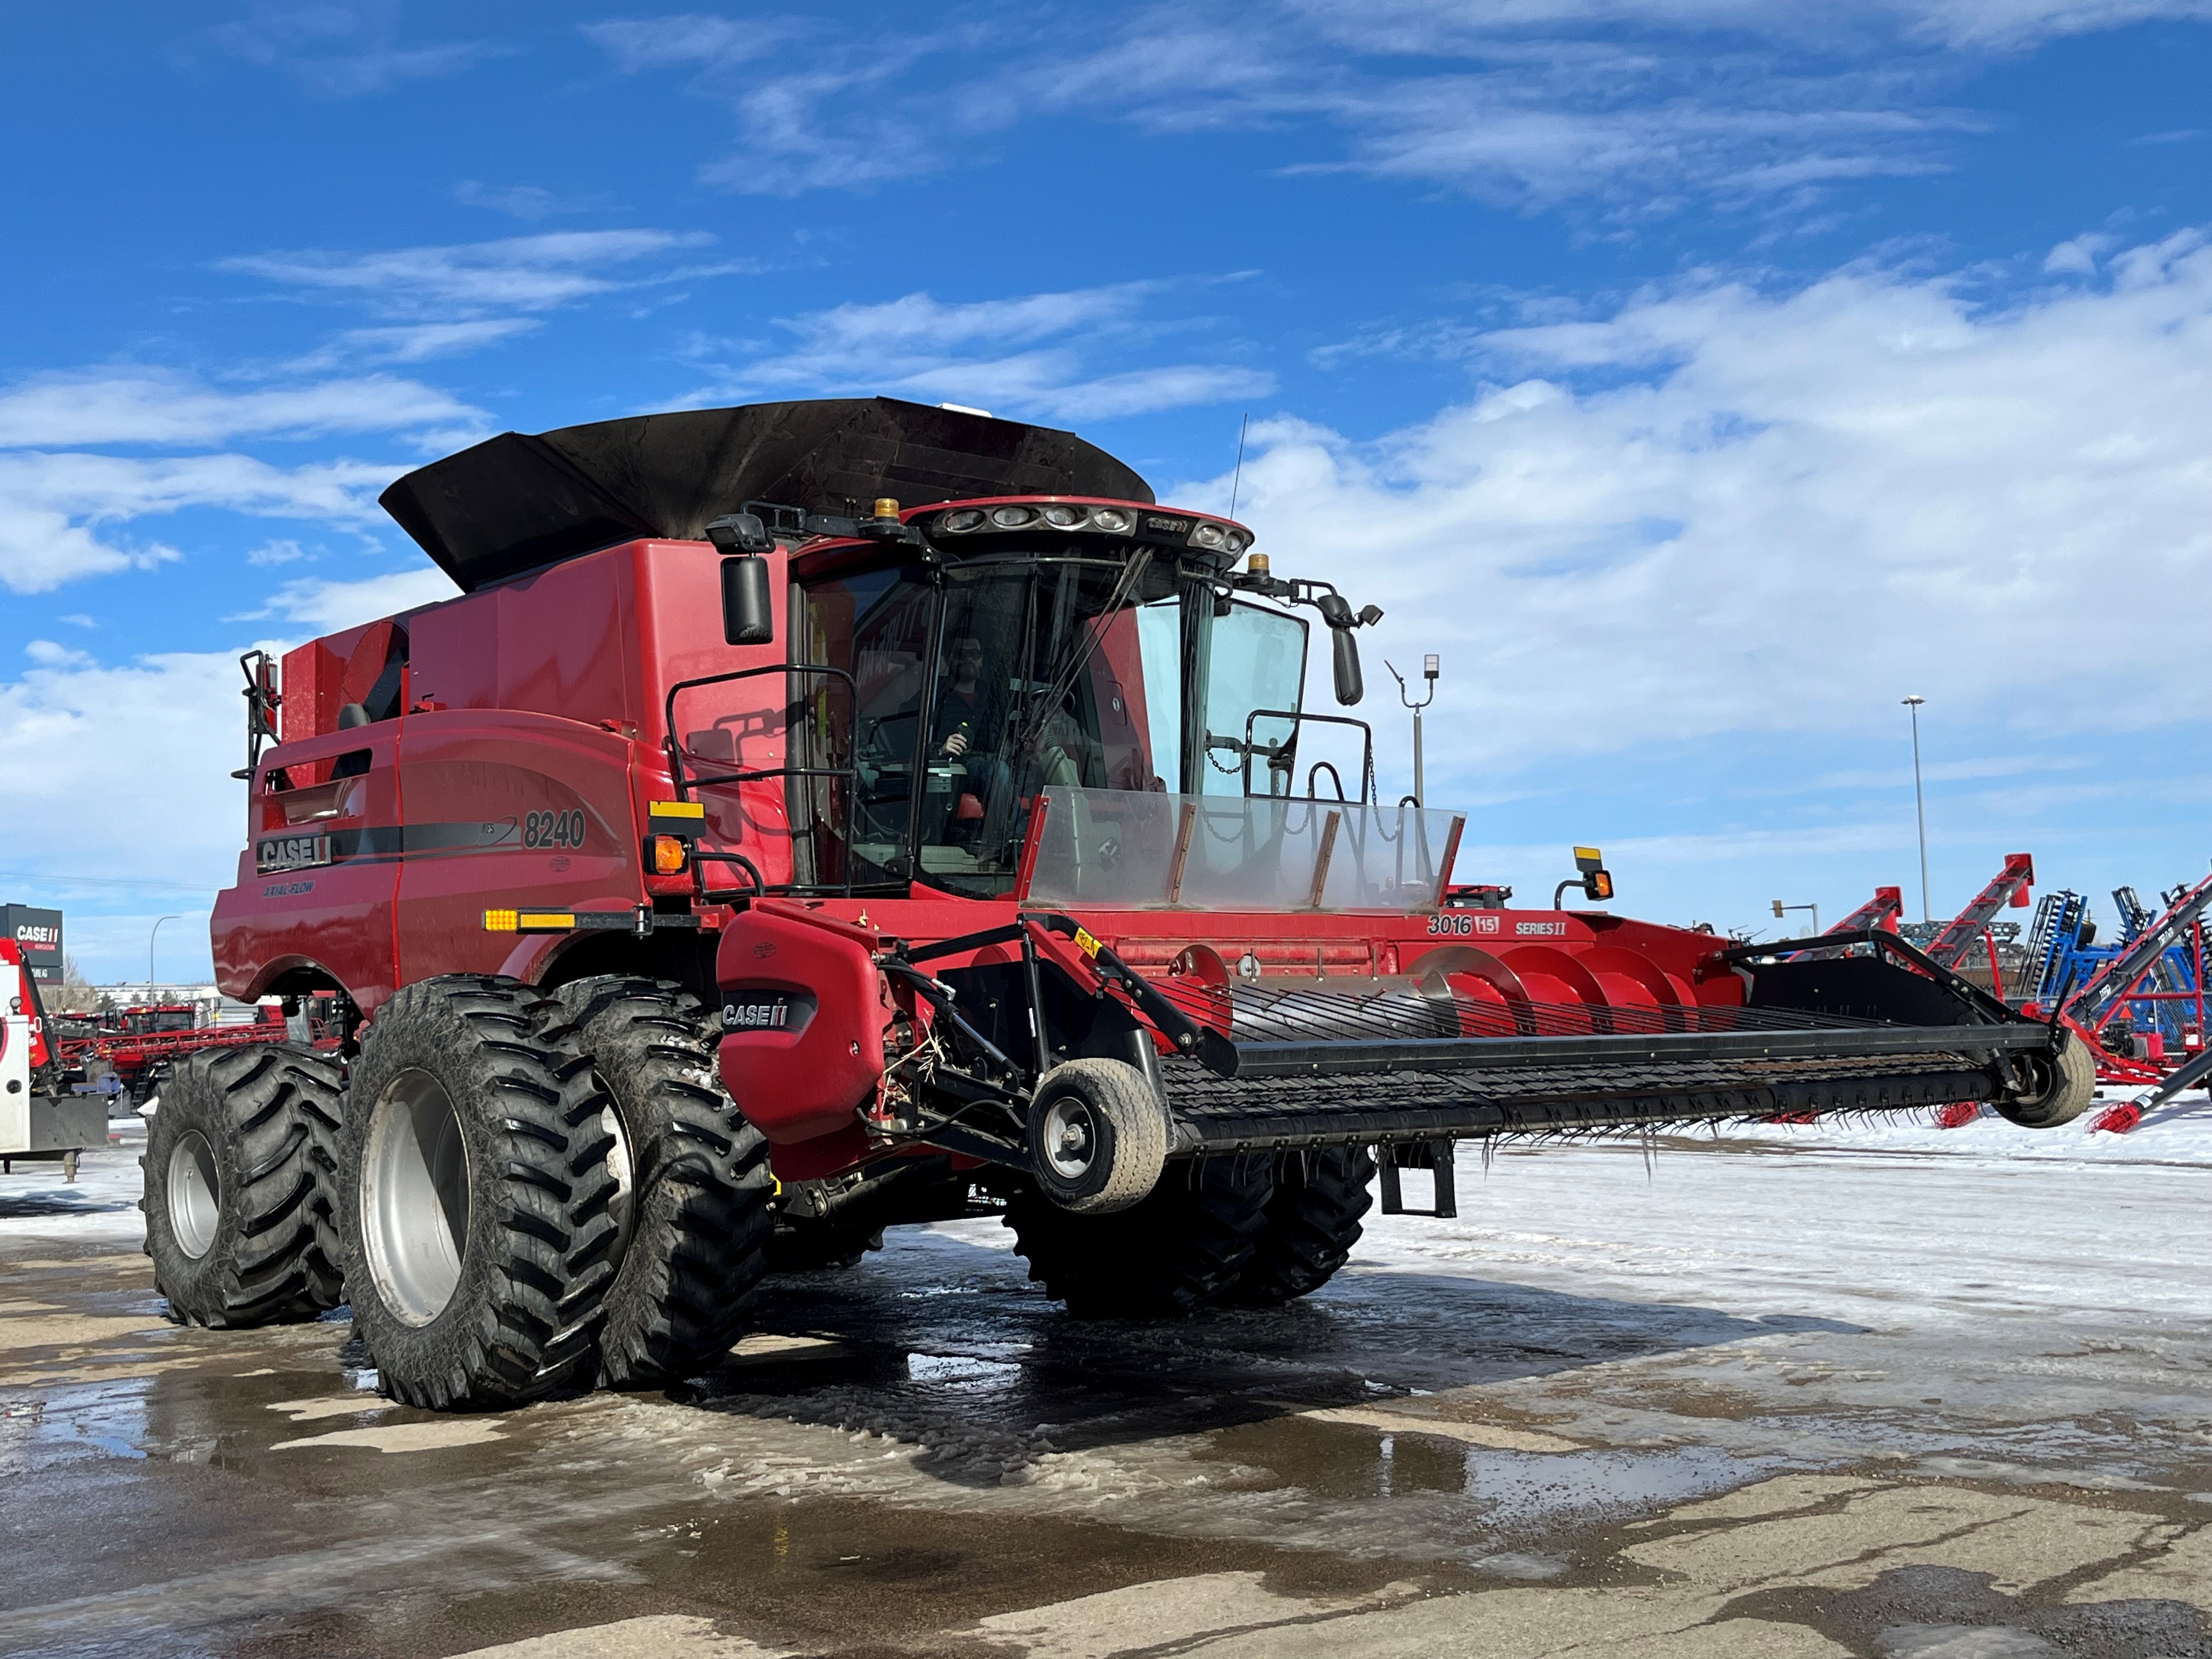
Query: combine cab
point(816, 816)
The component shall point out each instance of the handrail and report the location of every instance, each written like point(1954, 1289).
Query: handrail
point(1295, 716)
point(683, 783)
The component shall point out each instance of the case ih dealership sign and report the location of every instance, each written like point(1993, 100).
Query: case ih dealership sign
point(39, 933)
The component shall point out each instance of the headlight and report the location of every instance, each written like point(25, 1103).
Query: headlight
point(966, 518)
point(1209, 536)
point(1012, 518)
point(1236, 540)
point(1111, 519)
point(1063, 517)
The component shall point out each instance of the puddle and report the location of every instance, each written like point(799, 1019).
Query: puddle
point(960, 1368)
point(1523, 1489)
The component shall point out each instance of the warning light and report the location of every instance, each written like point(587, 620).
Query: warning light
point(1598, 884)
point(667, 854)
point(499, 922)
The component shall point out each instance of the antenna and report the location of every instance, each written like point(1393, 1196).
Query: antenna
point(1239, 479)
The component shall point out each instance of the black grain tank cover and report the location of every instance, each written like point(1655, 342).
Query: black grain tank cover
point(516, 502)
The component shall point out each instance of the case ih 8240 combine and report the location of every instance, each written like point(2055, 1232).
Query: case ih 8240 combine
point(819, 816)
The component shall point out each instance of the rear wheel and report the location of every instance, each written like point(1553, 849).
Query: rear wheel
point(1312, 1223)
point(475, 1195)
point(1177, 1251)
point(238, 1168)
point(695, 1214)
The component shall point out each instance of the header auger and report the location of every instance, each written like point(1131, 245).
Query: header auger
point(814, 816)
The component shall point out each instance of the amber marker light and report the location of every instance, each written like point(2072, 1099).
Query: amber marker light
point(669, 855)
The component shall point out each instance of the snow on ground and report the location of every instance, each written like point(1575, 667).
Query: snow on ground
point(2179, 1133)
point(100, 1206)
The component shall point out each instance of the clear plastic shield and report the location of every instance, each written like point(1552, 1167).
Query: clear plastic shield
point(1157, 851)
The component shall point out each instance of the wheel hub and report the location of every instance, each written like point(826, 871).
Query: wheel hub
point(195, 1193)
point(1071, 1138)
point(415, 1197)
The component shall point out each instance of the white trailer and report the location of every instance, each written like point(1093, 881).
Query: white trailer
point(39, 1118)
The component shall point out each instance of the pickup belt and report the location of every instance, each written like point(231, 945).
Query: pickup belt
point(1213, 1114)
point(1341, 1057)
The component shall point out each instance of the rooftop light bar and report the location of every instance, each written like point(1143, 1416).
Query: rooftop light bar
point(1147, 523)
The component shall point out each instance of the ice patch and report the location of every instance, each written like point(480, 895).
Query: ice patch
point(1961, 1642)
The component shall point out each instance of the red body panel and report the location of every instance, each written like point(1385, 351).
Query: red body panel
point(808, 1075)
point(518, 772)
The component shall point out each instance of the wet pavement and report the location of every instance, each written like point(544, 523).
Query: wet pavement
point(1707, 1398)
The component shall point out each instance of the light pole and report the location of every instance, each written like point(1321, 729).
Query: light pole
point(1429, 668)
point(155, 933)
point(1919, 803)
point(1781, 909)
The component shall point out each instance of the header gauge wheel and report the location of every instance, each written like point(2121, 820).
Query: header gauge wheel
point(1097, 1136)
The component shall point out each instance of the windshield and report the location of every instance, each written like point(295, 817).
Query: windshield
point(1004, 678)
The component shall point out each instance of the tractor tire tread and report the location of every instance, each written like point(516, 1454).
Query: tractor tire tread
point(1312, 1223)
point(702, 1200)
point(268, 1113)
point(498, 1342)
point(1178, 1251)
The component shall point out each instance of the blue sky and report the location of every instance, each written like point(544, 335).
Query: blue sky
point(1698, 378)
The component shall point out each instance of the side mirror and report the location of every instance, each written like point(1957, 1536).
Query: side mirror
point(1350, 686)
point(1336, 611)
point(747, 615)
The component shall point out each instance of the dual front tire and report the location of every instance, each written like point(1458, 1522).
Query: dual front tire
point(239, 1221)
point(519, 1192)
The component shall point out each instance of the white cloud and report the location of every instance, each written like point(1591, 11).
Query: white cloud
point(344, 50)
point(56, 510)
point(973, 352)
point(415, 342)
point(325, 607)
point(136, 405)
point(48, 654)
point(177, 716)
point(1720, 511)
point(1642, 105)
point(790, 143)
point(1410, 26)
point(284, 551)
point(689, 39)
point(519, 201)
point(516, 273)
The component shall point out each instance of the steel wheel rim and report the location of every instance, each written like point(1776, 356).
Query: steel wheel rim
point(1070, 1138)
point(195, 1193)
point(415, 1197)
point(621, 1208)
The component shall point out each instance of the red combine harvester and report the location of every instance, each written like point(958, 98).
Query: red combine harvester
point(818, 816)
